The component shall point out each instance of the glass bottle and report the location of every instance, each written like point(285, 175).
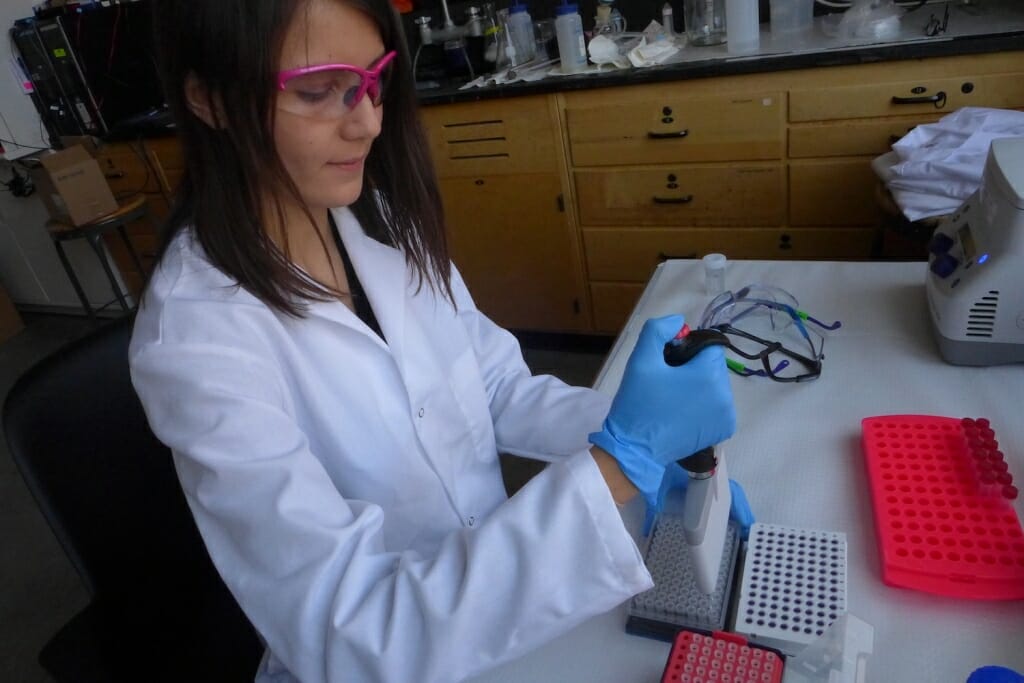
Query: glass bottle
point(492, 34)
point(704, 21)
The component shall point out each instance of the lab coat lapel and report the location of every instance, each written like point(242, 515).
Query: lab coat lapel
point(382, 272)
point(386, 279)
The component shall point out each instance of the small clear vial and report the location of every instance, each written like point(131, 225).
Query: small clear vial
point(667, 21)
point(714, 274)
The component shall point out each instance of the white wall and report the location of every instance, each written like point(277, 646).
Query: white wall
point(29, 267)
point(18, 119)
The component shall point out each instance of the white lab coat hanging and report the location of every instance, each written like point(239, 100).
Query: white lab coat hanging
point(348, 488)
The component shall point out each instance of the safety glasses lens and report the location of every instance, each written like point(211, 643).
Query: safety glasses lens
point(328, 94)
point(321, 94)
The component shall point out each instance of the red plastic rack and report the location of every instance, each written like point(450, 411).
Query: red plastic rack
point(720, 658)
point(943, 518)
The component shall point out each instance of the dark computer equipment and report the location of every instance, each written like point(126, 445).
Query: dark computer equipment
point(57, 111)
point(93, 69)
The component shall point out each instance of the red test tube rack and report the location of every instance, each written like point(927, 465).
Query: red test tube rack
point(942, 492)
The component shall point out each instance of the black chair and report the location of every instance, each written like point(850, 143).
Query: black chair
point(159, 610)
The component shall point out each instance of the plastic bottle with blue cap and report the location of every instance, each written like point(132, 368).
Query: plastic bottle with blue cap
point(572, 50)
point(520, 27)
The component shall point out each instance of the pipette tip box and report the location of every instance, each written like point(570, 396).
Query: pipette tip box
point(675, 601)
point(793, 586)
point(942, 493)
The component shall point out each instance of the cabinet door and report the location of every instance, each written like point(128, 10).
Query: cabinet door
point(833, 192)
point(613, 302)
point(494, 137)
point(516, 250)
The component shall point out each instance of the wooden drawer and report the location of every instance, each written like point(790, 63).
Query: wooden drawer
point(167, 152)
point(677, 128)
point(833, 192)
point(171, 179)
point(127, 170)
point(613, 302)
point(168, 160)
point(631, 254)
point(752, 194)
point(496, 137)
point(851, 138)
point(877, 99)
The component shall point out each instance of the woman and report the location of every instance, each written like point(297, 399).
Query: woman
point(335, 402)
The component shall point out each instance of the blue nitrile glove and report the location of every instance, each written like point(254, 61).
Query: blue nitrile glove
point(676, 479)
point(661, 413)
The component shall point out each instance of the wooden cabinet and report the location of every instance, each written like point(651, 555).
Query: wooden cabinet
point(151, 168)
point(682, 172)
point(768, 165)
point(837, 128)
point(760, 166)
point(502, 173)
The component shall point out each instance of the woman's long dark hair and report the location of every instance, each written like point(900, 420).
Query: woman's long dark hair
point(232, 47)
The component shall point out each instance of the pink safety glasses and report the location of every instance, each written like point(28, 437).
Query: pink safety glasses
point(327, 91)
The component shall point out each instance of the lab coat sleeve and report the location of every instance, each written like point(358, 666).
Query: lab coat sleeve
point(310, 569)
point(536, 416)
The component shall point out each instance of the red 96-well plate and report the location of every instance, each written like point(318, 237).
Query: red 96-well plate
point(720, 658)
point(941, 490)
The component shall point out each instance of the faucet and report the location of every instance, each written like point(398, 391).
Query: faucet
point(451, 36)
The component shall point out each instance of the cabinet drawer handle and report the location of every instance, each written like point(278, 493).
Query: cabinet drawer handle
point(938, 99)
point(668, 136)
point(662, 256)
point(673, 200)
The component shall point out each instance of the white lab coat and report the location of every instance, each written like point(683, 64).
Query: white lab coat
point(349, 491)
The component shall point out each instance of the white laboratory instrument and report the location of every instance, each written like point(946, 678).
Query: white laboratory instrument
point(975, 280)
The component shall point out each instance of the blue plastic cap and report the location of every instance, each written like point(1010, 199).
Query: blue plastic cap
point(517, 7)
point(995, 674)
point(566, 8)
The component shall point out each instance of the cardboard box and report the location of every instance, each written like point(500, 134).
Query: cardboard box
point(90, 143)
point(10, 321)
point(73, 187)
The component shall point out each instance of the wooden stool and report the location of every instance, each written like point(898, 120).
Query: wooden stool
point(92, 232)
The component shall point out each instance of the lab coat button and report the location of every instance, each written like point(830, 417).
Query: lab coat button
point(471, 520)
point(421, 412)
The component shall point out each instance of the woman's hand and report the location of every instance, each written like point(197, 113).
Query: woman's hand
point(661, 413)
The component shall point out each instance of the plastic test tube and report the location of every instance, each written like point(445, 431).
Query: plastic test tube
point(714, 274)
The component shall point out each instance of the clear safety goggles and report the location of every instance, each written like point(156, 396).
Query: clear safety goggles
point(765, 323)
point(329, 91)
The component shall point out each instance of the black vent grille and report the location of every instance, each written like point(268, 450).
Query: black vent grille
point(981, 320)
